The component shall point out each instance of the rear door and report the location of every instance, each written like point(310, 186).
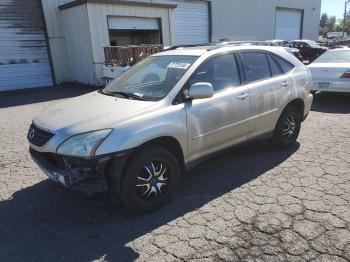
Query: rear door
point(267, 86)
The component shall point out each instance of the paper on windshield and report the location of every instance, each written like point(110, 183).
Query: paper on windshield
point(178, 65)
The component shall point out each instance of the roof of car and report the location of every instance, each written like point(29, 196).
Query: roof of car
point(200, 50)
point(344, 48)
point(304, 41)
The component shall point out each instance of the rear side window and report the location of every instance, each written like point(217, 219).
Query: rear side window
point(256, 65)
point(275, 68)
point(285, 65)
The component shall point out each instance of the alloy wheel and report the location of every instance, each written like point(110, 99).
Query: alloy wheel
point(153, 180)
point(289, 127)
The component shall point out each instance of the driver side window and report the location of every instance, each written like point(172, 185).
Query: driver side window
point(221, 71)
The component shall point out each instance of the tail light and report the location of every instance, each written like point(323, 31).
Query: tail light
point(346, 74)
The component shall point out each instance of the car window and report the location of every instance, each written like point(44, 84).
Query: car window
point(153, 77)
point(275, 68)
point(256, 65)
point(341, 56)
point(221, 71)
point(285, 65)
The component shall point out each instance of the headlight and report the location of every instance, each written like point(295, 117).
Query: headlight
point(83, 145)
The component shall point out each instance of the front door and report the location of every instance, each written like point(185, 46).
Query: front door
point(220, 121)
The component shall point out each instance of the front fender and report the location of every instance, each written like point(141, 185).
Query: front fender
point(166, 122)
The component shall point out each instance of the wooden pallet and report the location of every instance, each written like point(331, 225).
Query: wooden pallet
point(129, 55)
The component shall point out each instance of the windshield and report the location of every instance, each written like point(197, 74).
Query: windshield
point(152, 78)
point(342, 56)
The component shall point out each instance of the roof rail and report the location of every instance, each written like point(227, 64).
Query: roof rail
point(237, 43)
point(184, 46)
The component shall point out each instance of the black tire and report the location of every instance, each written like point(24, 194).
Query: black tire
point(138, 198)
point(280, 137)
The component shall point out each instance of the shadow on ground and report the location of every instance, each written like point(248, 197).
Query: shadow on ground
point(42, 94)
point(335, 103)
point(47, 222)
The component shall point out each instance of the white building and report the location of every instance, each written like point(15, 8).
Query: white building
point(57, 41)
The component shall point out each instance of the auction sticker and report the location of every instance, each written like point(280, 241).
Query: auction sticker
point(178, 65)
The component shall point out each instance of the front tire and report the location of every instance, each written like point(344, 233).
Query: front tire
point(288, 127)
point(149, 180)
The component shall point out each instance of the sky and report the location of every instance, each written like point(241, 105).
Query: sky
point(334, 7)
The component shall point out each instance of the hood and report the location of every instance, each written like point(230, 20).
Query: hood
point(89, 112)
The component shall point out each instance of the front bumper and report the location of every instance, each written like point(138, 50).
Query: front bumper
point(85, 175)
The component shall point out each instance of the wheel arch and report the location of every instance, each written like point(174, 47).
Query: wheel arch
point(298, 102)
point(167, 142)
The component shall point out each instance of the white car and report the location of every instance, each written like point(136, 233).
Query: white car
point(331, 71)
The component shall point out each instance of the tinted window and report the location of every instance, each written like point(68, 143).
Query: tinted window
point(256, 65)
point(285, 65)
point(221, 71)
point(275, 69)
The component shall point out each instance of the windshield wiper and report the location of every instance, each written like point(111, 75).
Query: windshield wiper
point(127, 95)
point(124, 94)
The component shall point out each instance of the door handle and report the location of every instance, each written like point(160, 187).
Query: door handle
point(242, 96)
point(285, 84)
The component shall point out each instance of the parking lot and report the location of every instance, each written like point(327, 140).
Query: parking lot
point(253, 203)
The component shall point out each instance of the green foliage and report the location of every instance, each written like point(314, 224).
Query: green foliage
point(330, 24)
point(324, 19)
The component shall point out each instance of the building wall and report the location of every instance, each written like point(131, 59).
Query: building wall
point(98, 14)
point(57, 40)
point(231, 19)
point(79, 44)
point(255, 19)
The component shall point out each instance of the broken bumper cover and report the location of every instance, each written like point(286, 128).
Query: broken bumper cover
point(85, 175)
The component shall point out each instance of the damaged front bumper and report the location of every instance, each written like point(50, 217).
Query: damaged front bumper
point(84, 174)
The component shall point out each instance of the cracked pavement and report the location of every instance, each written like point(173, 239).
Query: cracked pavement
point(252, 203)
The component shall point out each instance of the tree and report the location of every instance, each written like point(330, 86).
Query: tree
point(331, 23)
point(324, 20)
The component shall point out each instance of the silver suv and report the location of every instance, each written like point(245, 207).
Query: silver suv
point(135, 138)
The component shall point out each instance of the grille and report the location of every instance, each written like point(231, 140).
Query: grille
point(38, 137)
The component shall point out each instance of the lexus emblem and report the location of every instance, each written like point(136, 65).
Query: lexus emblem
point(31, 134)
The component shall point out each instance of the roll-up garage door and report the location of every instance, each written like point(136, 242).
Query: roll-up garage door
point(288, 23)
point(192, 22)
point(24, 60)
point(132, 23)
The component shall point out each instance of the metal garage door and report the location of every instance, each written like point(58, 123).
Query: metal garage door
point(24, 61)
point(192, 22)
point(133, 23)
point(288, 24)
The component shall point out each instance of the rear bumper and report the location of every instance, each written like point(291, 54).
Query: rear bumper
point(85, 175)
point(337, 87)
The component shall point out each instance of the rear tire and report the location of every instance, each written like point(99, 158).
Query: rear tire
point(288, 127)
point(149, 180)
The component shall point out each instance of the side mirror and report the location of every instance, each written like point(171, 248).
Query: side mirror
point(200, 91)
